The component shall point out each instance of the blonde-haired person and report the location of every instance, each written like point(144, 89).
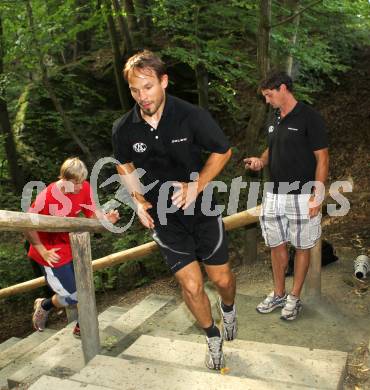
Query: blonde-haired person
point(70, 196)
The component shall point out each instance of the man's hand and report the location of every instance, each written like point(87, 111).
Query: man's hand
point(50, 256)
point(142, 205)
point(144, 216)
point(185, 194)
point(254, 163)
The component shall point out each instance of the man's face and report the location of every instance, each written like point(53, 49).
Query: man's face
point(147, 89)
point(275, 97)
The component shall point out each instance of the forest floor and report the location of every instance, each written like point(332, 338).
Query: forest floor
point(346, 110)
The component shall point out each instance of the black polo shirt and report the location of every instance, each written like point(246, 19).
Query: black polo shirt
point(172, 151)
point(292, 141)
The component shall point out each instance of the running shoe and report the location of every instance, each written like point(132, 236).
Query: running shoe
point(76, 331)
point(291, 309)
point(215, 357)
point(40, 316)
point(229, 322)
point(270, 303)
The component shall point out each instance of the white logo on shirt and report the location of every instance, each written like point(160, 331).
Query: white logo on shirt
point(292, 128)
point(271, 129)
point(139, 147)
point(174, 141)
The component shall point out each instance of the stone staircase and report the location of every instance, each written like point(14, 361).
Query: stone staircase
point(153, 346)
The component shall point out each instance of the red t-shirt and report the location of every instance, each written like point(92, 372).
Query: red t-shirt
point(51, 201)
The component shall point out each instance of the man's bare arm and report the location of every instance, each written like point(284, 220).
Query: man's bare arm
point(134, 187)
point(187, 193)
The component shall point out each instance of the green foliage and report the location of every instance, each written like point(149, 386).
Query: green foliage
point(14, 264)
point(190, 39)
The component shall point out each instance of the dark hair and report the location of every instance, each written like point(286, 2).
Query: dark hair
point(275, 79)
point(145, 60)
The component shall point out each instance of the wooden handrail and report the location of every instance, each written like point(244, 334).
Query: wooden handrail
point(231, 222)
point(15, 221)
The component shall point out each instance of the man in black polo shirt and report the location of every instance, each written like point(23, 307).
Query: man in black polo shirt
point(298, 159)
point(165, 137)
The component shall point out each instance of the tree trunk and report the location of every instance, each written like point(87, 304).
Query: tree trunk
point(201, 75)
point(16, 174)
point(143, 13)
point(293, 5)
point(259, 109)
point(117, 60)
point(45, 79)
point(131, 16)
point(83, 38)
point(124, 29)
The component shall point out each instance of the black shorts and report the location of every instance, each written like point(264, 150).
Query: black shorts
point(191, 238)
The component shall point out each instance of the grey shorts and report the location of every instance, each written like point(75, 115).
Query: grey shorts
point(285, 218)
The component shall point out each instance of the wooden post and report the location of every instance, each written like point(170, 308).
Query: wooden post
point(87, 313)
point(250, 244)
point(313, 278)
point(71, 313)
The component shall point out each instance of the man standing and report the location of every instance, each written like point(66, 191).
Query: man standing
point(298, 160)
point(165, 136)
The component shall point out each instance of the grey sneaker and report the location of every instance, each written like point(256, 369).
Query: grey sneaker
point(40, 315)
point(291, 309)
point(270, 303)
point(215, 357)
point(229, 322)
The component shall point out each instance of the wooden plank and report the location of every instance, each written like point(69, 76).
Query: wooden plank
point(87, 313)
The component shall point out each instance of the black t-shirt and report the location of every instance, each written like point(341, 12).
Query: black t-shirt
point(172, 151)
point(292, 141)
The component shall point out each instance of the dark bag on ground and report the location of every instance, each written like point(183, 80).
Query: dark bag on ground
point(327, 256)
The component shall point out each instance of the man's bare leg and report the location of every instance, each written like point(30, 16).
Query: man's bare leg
point(279, 260)
point(301, 264)
point(191, 281)
point(224, 281)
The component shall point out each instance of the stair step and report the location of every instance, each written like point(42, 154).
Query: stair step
point(9, 343)
point(23, 346)
point(181, 319)
point(51, 382)
point(136, 316)
point(65, 357)
point(319, 369)
point(110, 315)
point(57, 337)
point(119, 373)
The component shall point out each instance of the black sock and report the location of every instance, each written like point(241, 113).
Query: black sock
point(47, 304)
point(212, 331)
point(226, 308)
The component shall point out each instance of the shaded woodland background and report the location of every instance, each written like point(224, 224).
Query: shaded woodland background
point(61, 88)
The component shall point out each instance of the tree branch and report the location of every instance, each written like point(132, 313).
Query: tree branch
point(296, 14)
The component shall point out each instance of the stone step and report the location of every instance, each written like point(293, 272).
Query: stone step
point(136, 316)
point(318, 369)
point(58, 337)
point(181, 319)
point(51, 382)
point(9, 343)
point(65, 357)
point(138, 375)
point(110, 315)
point(23, 346)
